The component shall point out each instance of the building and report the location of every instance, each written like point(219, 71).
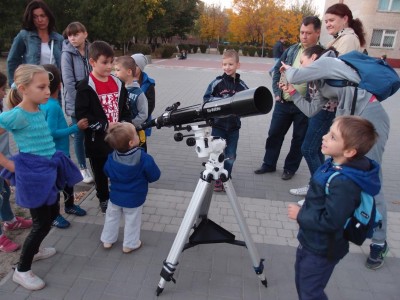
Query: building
point(381, 20)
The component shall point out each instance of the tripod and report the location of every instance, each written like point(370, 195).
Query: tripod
point(206, 231)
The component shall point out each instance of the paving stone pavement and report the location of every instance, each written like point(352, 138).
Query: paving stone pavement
point(82, 269)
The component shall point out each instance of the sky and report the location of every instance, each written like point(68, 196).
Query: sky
point(228, 3)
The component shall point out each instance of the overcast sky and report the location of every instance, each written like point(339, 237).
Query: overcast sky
point(228, 3)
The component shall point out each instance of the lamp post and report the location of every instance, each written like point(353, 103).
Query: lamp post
point(262, 47)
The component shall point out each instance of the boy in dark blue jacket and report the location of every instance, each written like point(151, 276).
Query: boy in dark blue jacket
point(322, 217)
point(130, 170)
point(227, 128)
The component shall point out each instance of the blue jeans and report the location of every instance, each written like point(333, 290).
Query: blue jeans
point(282, 118)
point(79, 145)
point(318, 126)
point(6, 213)
point(232, 138)
point(312, 273)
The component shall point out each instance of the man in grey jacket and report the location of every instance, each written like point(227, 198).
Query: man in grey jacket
point(285, 112)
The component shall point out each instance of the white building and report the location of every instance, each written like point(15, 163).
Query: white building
point(381, 21)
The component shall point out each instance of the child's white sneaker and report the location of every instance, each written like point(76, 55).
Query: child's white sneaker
point(28, 280)
point(44, 253)
point(87, 177)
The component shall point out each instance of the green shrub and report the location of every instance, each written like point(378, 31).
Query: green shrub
point(203, 48)
point(245, 50)
point(221, 49)
point(260, 52)
point(236, 47)
point(195, 48)
point(140, 48)
point(165, 51)
point(184, 47)
point(252, 51)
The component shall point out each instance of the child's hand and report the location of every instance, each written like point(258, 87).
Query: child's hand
point(286, 88)
point(293, 211)
point(284, 67)
point(83, 124)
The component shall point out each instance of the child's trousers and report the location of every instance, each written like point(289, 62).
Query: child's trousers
point(133, 220)
point(42, 218)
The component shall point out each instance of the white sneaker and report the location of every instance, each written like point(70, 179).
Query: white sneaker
point(87, 177)
point(28, 280)
point(302, 191)
point(301, 202)
point(44, 253)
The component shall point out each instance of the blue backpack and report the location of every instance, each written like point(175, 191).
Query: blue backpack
point(365, 219)
point(377, 77)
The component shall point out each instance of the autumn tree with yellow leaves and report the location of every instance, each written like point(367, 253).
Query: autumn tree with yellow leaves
point(252, 21)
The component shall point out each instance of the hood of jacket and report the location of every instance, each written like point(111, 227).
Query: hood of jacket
point(364, 172)
point(125, 168)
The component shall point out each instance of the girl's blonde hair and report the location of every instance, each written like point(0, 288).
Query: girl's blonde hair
point(23, 76)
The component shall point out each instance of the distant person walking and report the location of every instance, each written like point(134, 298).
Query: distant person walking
point(277, 52)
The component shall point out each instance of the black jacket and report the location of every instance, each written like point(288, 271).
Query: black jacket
point(87, 105)
point(322, 217)
point(222, 87)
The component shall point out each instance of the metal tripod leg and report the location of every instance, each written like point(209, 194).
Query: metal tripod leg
point(258, 264)
point(188, 221)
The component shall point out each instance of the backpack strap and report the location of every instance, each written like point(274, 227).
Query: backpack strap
point(329, 181)
point(343, 83)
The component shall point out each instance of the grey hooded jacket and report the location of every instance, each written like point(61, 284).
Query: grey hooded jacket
point(74, 68)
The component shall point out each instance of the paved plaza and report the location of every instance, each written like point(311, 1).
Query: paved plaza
point(82, 269)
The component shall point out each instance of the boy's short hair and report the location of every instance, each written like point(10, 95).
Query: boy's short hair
point(74, 28)
point(231, 53)
point(357, 133)
point(127, 62)
point(119, 135)
point(98, 48)
point(3, 79)
point(54, 76)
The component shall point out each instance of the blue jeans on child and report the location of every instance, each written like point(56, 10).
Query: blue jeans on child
point(312, 273)
point(232, 138)
point(79, 146)
point(318, 126)
point(6, 213)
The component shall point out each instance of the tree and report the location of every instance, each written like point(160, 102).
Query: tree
point(213, 23)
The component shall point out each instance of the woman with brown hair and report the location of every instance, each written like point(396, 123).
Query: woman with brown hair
point(37, 43)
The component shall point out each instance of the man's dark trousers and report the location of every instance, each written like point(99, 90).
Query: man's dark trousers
point(285, 113)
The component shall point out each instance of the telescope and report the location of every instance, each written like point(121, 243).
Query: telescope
point(246, 103)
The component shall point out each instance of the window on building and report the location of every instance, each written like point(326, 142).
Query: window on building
point(383, 38)
point(389, 5)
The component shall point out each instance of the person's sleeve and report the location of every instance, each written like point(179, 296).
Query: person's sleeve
point(142, 108)
point(153, 173)
point(52, 114)
point(344, 195)
point(309, 108)
point(68, 80)
point(15, 57)
point(277, 74)
point(208, 94)
point(126, 115)
point(12, 120)
point(151, 99)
